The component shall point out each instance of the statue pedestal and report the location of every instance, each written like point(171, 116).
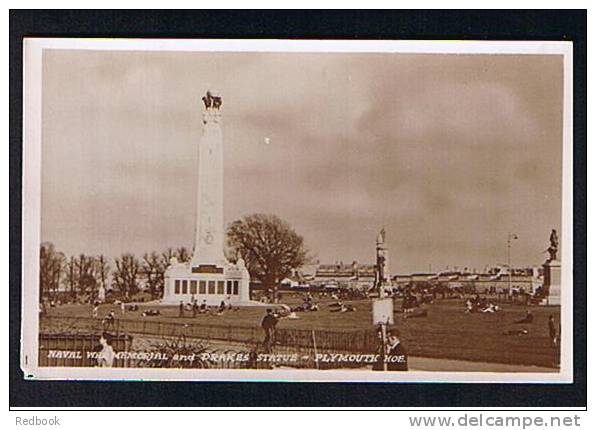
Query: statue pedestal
point(552, 282)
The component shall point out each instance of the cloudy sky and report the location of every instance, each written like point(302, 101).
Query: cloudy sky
point(448, 152)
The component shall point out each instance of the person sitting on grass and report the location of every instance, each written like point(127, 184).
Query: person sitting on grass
point(285, 310)
point(527, 319)
point(489, 309)
point(419, 314)
point(343, 308)
point(516, 332)
point(203, 307)
point(304, 307)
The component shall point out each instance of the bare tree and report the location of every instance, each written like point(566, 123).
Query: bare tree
point(70, 278)
point(102, 270)
point(51, 265)
point(182, 254)
point(168, 254)
point(126, 275)
point(154, 266)
point(85, 275)
point(269, 246)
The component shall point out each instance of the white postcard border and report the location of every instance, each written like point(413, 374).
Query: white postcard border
point(32, 102)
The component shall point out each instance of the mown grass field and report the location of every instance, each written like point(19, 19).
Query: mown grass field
point(446, 332)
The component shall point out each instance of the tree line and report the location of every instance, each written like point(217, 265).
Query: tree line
point(269, 246)
point(83, 275)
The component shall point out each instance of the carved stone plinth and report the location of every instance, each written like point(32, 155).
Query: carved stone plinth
point(552, 282)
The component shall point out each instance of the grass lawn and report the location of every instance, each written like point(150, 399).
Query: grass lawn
point(447, 332)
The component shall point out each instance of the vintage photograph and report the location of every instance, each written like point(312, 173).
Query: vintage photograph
point(297, 210)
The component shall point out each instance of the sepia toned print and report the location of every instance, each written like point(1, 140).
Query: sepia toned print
point(199, 210)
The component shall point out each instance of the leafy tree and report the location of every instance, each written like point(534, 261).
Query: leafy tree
point(126, 275)
point(269, 246)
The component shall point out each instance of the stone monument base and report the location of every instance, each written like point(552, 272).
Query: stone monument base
point(552, 282)
point(207, 283)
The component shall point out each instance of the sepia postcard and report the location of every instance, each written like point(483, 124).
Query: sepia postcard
point(276, 210)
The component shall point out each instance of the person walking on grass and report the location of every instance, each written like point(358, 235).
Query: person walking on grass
point(268, 324)
point(181, 309)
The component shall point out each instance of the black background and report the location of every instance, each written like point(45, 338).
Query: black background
point(438, 24)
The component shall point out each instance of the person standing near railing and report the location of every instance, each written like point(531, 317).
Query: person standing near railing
point(397, 356)
point(552, 331)
point(268, 324)
point(391, 354)
point(107, 355)
point(108, 321)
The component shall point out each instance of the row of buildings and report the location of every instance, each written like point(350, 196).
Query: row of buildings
point(363, 276)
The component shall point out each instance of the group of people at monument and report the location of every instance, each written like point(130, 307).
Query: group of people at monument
point(194, 308)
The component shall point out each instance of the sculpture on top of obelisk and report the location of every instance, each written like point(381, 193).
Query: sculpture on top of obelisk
point(211, 101)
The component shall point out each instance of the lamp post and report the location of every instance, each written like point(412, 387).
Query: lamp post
point(510, 237)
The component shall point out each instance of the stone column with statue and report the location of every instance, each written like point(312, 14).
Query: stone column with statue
point(382, 264)
point(552, 272)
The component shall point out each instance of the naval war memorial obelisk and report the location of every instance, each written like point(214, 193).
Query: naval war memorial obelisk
point(208, 275)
